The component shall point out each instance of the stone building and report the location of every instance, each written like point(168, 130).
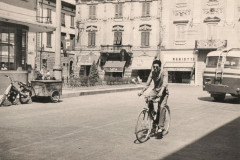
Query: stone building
point(46, 41)
point(183, 31)
point(193, 28)
point(18, 27)
point(122, 36)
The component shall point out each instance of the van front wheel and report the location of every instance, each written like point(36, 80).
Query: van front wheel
point(218, 97)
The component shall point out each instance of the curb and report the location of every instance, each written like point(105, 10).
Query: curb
point(93, 92)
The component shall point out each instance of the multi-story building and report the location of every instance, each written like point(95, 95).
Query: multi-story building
point(133, 32)
point(46, 41)
point(193, 28)
point(121, 36)
point(18, 28)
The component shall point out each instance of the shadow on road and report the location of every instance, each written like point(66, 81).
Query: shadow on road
point(228, 99)
point(221, 144)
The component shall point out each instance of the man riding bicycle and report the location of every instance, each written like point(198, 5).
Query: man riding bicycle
point(159, 92)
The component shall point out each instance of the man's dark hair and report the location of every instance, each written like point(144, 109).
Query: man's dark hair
point(157, 62)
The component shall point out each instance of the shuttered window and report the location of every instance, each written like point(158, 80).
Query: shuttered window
point(49, 39)
point(145, 9)
point(49, 15)
point(117, 38)
point(63, 19)
point(92, 12)
point(118, 10)
point(91, 38)
point(145, 38)
point(180, 33)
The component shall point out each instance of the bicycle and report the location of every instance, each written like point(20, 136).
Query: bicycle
point(144, 126)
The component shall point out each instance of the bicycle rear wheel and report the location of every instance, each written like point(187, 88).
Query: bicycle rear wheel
point(144, 126)
point(167, 119)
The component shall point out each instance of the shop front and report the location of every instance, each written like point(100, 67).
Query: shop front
point(179, 72)
point(114, 69)
point(85, 62)
point(13, 51)
point(141, 66)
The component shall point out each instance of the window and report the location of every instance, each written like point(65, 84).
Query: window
point(145, 9)
point(118, 10)
point(63, 35)
point(232, 62)
point(92, 12)
point(13, 47)
point(117, 38)
point(49, 15)
point(211, 31)
point(63, 19)
point(145, 38)
point(72, 21)
point(49, 39)
point(180, 33)
point(91, 38)
point(72, 36)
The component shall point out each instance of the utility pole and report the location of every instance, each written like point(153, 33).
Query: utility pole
point(159, 47)
point(57, 69)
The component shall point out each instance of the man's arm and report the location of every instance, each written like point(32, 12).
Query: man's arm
point(165, 82)
point(148, 83)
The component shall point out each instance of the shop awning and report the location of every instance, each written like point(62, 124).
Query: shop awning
point(87, 60)
point(33, 26)
point(114, 66)
point(142, 63)
point(179, 66)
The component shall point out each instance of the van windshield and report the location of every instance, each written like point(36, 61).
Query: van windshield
point(232, 62)
point(212, 61)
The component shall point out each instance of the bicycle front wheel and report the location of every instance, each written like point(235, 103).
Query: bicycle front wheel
point(167, 120)
point(144, 126)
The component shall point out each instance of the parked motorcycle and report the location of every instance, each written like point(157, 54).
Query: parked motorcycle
point(12, 93)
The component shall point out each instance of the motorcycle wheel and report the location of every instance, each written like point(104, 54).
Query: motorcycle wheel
point(28, 99)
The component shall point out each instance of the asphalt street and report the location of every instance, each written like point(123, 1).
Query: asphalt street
point(101, 127)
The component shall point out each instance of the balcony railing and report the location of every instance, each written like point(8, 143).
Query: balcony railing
point(115, 48)
point(46, 20)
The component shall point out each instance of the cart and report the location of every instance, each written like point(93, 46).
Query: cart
point(47, 88)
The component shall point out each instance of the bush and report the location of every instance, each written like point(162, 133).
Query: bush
point(93, 76)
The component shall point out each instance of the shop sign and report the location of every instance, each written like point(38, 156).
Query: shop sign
point(113, 69)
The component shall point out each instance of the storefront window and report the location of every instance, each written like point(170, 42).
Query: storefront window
point(12, 54)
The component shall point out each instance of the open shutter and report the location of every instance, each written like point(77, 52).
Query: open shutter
point(142, 38)
point(90, 12)
point(143, 9)
point(147, 9)
point(89, 38)
point(115, 37)
point(94, 12)
point(116, 10)
point(147, 39)
point(120, 10)
point(93, 38)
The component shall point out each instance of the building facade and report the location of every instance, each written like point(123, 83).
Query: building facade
point(18, 27)
point(193, 29)
point(122, 37)
point(46, 41)
point(182, 31)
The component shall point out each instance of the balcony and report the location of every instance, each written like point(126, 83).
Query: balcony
point(115, 48)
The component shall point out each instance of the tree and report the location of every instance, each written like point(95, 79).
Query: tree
point(93, 76)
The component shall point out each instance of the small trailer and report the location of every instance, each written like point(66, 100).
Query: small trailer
point(47, 88)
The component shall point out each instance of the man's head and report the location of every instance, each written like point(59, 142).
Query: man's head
point(156, 65)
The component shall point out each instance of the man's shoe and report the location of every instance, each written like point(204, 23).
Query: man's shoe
point(160, 129)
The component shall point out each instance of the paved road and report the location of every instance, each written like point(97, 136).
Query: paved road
point(101, 127)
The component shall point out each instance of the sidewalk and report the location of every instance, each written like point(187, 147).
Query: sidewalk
point(82, 91)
